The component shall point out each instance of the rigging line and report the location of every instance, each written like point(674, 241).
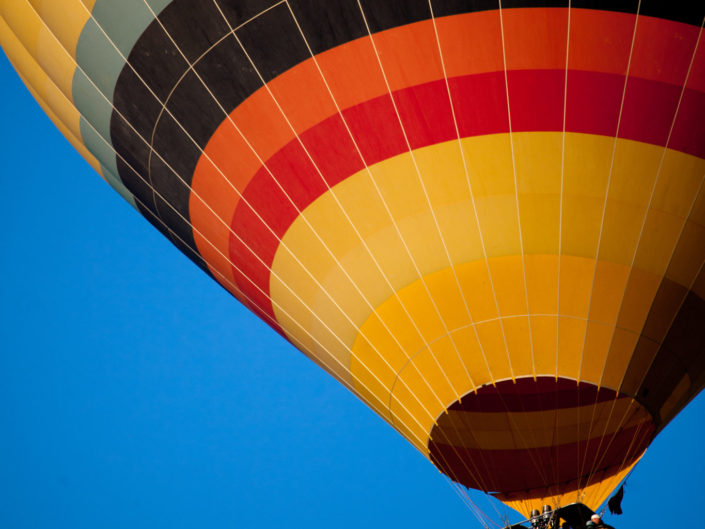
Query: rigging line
point(244, 244)
point(609, 176)
point(516, 187)
point(284, 192)
point(560, 233)
point(427, 344)
point(623, 464)
point(656, 179)
point(472, 196)
point(300, 345)
point(597, 461)
point(425, 192)
point(421, 180)
point(604, 210)
point(474, 509)
point(423, 187)
point(631, 447)
point(509, 414)
point(651, 197)
point(484, 514)
point(391, 418)
point(421, 374)
point(391, 217)
point(265, 85)
point(314, 357)
point(315, 165)
point(479, 228)
point(254, 304)
point(627, 456)
point(388, 211)
point(232, 285)
point(185, 220)
point(560, 207)
point(191, 67)
point(531, 451)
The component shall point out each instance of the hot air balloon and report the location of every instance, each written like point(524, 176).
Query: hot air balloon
point(485, 219)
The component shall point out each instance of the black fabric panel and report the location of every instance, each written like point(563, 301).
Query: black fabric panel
point(195, 25)
point(138, 106)
point(327, 24)
point(385, 15)
point(688, 11)
point(228, 74)
point(273, 42)
point(133, 160)
point(238, 12)
point(511, 4)
point(182, 159)
point(156, 60)
point(196, 110)
point(621, 6)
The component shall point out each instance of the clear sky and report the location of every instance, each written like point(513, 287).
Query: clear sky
point(135, 392)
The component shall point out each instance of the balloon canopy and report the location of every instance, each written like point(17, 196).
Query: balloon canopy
point(486, 219)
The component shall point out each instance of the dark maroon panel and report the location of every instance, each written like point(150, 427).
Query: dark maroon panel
point(517, 471)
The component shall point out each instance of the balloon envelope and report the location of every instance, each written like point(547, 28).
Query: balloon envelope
point(487, 220)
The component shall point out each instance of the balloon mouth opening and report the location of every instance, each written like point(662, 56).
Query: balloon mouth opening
point(539, 437)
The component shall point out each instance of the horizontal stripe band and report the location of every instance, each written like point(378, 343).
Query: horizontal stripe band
point(480, 108)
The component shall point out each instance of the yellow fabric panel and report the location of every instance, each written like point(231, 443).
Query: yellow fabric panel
point(698, 213)
point(608, 286)
point(542, 284)
point(66, 19)
point(618, 357)
point(539, 198)
point(52, 100)
point(587, 166)
point(39, 41)
point(508, 281)
point(631, 183)
point(576, 286)
point(23, 20)
point(544, 334)
point(571, 337)
point(450, 198)
point(474, 354)
point(493, 345)
point(516, 333)
point(638, 296)
point(597, 343)
point(690, 250)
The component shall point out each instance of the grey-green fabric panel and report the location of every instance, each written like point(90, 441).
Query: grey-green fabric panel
point(101, 59)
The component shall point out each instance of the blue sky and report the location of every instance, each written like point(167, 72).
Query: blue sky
point(135, 392)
